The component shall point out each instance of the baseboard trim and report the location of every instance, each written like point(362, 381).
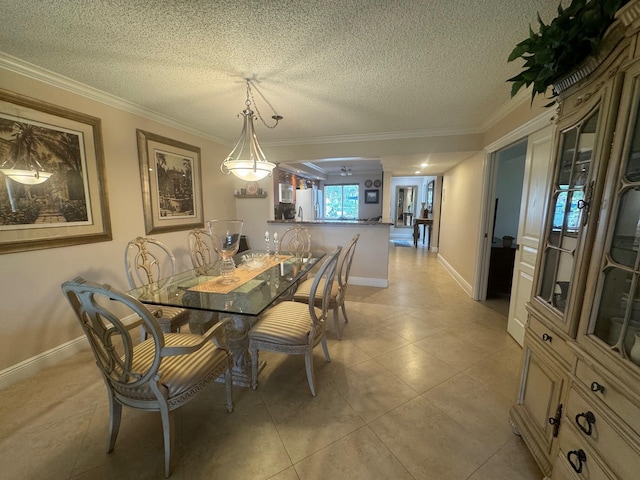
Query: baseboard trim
point(31, 366)
point(369, 282)
point(466, 286)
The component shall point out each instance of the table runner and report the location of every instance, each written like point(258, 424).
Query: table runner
point(243, 272)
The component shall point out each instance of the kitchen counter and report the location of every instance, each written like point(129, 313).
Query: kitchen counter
point(370, 265)
point(333, 222)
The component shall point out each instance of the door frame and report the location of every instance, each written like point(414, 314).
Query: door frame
point(479, 290)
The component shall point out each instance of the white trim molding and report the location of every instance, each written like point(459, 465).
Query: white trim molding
point(466, 286)
point(33, 365)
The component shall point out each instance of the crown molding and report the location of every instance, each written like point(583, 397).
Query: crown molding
point(35, 72)
point(372, 137)
point(507, 107)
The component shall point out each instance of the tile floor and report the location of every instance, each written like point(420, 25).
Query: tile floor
point(419, 388)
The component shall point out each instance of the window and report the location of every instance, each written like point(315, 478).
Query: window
point(341, 202)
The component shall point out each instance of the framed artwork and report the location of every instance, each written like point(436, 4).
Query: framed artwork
point(430, 190)
point(53, 190)
point(171, 184)
point(371, 196)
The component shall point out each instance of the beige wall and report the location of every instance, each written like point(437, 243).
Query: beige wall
point(460, 214)
point(34, 315)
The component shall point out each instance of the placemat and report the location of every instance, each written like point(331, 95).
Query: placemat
point(244, 274)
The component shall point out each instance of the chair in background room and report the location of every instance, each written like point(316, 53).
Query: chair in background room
point(162, 373)
point(146, 261)
point(295, 328)
point(338, 290)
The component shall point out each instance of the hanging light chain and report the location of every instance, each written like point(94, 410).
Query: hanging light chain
point(275, 115)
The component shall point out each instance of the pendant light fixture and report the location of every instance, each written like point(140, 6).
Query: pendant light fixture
point(247, 160)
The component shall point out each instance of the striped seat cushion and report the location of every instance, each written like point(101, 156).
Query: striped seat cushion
point(179, 373)
point(288, 323)
point(170, 318)
point(304, 290)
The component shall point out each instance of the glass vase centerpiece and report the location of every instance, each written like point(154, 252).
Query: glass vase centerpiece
point(226, 241)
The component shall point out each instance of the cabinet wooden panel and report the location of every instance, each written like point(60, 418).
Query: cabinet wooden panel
point(539, 408)
point(597, 425)
point(552, 341)
point(605, 389)
point(577, 458)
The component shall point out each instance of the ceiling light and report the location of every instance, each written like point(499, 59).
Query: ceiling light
point(345, 171)
point(247, 160)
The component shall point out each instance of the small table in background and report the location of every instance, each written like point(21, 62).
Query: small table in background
point(426, 223)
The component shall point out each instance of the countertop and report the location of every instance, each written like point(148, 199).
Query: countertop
point(331, 222)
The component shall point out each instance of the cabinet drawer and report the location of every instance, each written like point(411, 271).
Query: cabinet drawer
point(593, 426)
point(550, 339)
point(610, 394)
point(576, 460)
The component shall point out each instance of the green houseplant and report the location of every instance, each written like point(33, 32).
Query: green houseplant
point(563, 44)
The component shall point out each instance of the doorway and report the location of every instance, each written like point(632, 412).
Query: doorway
point(508, 165)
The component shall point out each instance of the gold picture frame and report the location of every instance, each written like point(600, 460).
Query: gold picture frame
point(171, 183)
point(53, 190)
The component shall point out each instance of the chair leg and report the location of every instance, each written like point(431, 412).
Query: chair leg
point(254, 367)
point(308, 362)
point(168, 427)
point(325, 349)
point(115, 414)
point(336, 322)
point(344, 313)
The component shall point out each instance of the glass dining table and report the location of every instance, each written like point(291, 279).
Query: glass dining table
point(260, 281)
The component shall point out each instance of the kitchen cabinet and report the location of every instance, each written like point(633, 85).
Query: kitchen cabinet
point(580, 368)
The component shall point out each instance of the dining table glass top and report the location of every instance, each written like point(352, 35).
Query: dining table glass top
point(259, 283)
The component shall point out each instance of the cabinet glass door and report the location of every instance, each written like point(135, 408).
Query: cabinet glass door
point(571, 188)
point(617, 321)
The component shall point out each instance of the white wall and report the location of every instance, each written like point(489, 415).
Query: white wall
point(509, 179)
point(33, 312)
point(460, 213)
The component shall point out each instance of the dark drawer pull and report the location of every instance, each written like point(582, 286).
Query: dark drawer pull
point(596, 387)
point(581, 458)
point(546, 337)
point(590, 418)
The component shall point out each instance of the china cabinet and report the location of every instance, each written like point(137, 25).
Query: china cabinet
point(578, 406)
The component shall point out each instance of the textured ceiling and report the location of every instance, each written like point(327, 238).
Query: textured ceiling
point(330, 68)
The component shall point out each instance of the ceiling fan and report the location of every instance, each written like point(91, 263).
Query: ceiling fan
point(345, 171)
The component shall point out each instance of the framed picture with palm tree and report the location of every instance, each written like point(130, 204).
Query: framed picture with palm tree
point(52, 183)
point(171, 183)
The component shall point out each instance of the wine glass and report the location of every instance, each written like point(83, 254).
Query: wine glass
point(226, 241)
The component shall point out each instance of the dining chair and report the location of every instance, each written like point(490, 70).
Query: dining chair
point(201, 248)
point(295, 328)
point(338, 289)
point(203, 255)
point(160, 374)
point(295, 241)
point(146, 261)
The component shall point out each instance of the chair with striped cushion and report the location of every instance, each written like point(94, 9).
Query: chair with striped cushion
point(203, 256)
point(295, 328)
point(146, 261)
point(201, 248)
point(338, 290)
point(295, 241)
point(160, 374)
